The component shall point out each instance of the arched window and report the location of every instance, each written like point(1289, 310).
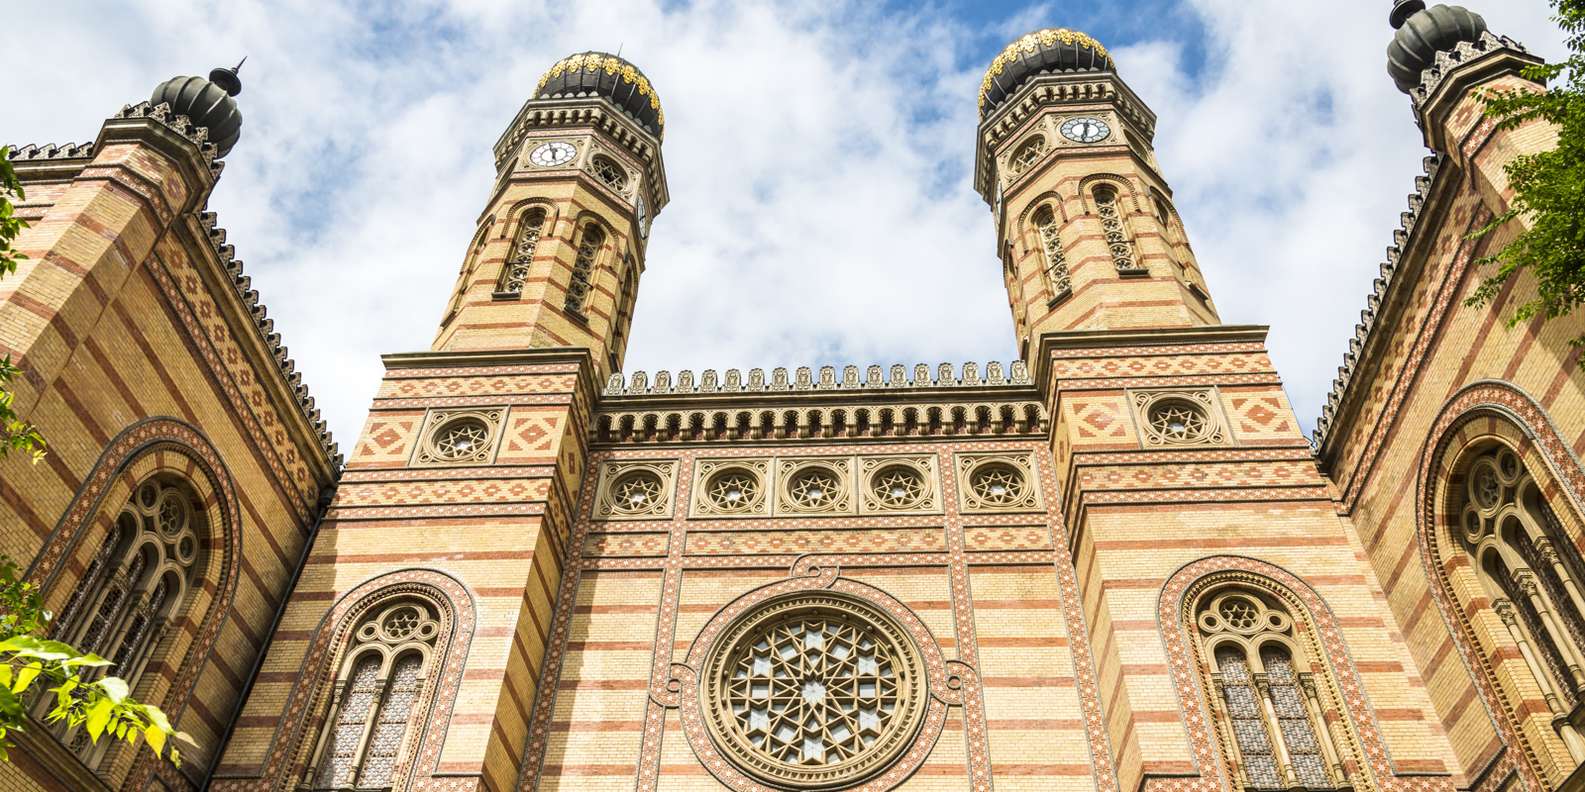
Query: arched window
point(583, 268)
point(1027, 155)
point(521, 257)
point(1270, 713)
point(137, 582)
point(377, 692)
point(1056, 263)
point(1528, 572)
point(1115, 227)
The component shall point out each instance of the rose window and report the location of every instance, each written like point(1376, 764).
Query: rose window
point(611, 173)
point(815, 691)
point(636, 493)
point(997, 485)
point(1178, 422)
point(814, 488)
point(898, 487)
point(461, 440)
point(733, 490)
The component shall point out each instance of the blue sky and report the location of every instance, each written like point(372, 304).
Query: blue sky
point(819, 156)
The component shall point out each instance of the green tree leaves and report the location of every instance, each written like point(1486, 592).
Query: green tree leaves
point(1549, 187)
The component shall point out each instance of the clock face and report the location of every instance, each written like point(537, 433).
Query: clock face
point(551, 154)
point(643, 217)
point(1086, 130)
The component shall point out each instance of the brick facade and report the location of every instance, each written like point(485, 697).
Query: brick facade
point(1038, 536)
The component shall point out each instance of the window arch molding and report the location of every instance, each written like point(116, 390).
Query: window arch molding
point(589, 243)
point(522, 231)
point(1483, 415)
point(150, 448)
point(1361, 746)
point(293, 743)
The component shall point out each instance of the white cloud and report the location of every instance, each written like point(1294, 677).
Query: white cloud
point(818, 156)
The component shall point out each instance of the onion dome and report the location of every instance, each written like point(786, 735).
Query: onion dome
point(1424, 32)
point(207, 103)
point(1043, 51)
point(604, 74)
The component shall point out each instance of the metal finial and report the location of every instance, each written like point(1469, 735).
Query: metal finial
point(227, 79)
point(1402, 10)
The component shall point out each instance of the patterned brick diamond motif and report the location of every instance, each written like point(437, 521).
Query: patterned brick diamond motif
point(531, 437)
point(1259, 416)
point(1098, 420)
point(387, 440)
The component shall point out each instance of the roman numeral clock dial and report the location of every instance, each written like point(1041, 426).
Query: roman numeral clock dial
point(1086, 130)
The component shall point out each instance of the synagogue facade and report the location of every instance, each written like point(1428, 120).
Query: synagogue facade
point(1113, 564)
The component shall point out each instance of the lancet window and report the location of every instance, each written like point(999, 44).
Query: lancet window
point(521, 257)
point(583, 268)
point(1056, 263)
point(135, 584)
point(382, 680)
point(1271, 715)
point(1531, 576)
point(1116, 230)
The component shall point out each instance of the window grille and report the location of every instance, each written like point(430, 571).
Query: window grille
point(1056, 263)
point(521, 257)
point(583, 268)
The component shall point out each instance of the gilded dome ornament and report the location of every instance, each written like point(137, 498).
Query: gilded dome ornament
point(1048, 50)
point(607, 75)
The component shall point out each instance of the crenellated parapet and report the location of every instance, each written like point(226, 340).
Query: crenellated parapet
point(265, 327)
point(1385, 285)
point(874, 378)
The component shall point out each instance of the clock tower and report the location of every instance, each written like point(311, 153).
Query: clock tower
point(559, 249)
point(1086, 229)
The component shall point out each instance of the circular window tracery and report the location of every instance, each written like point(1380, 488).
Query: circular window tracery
point(1179, 422)
point(733, 490)
point(636, 492)
point(815, 487)
point(814, 691)
point(898, 487)
point(462, 439)
point(997, 484)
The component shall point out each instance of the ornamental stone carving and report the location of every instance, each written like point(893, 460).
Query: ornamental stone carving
point(635, 490)
point(459, 437)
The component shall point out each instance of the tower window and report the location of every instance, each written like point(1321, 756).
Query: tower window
point(612, 174)
point(1117, 233)
point(583, 268)
point(1058, 281)
point(1027, 154)
point(521, 258)
point(1271, 712)
point(381, 683)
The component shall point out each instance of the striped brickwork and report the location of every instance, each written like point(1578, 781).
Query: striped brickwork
point(1139, 513)
point(987, 589)
point(488, 538)
point(141, 360)
point(478, 317)
point(1170, 291)
point(1439, 377)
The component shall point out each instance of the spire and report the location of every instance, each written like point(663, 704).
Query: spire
point(228, 79)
